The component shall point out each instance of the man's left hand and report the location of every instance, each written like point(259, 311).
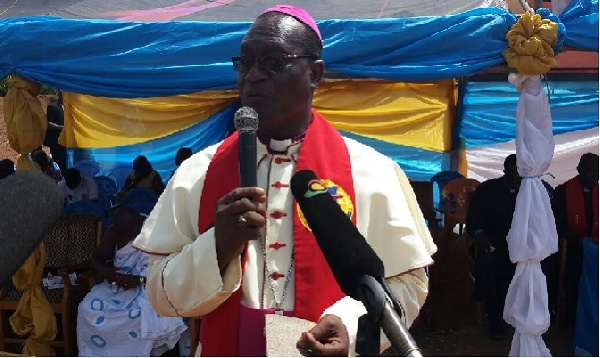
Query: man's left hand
point(328, 337)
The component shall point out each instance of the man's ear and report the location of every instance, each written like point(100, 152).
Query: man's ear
point(316, 73)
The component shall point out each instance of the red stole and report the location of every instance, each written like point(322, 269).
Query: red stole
point(324, 152)
point(576, 218)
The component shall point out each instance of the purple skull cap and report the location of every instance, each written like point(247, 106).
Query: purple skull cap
point(299, 13)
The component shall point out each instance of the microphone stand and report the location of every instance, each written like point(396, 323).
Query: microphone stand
point(383, 311)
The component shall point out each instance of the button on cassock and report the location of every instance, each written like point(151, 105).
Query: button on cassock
point(278, 214)
point(279, 185)
point(276, 275)
point(276, 245)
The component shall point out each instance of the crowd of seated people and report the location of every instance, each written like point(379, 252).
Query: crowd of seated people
point(115, 318)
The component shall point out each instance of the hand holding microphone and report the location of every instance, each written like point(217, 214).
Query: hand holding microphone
point(230, 235)
point(240, 214)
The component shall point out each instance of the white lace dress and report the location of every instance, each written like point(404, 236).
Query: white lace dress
point(117, 322)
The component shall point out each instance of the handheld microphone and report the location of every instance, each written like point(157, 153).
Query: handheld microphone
point(353, 262)
point(246, 123)
point(30, 204)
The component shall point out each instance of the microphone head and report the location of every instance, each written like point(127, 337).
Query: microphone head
point(346, 251)
point(29, 205)
point(246, 119)
point(305, 184)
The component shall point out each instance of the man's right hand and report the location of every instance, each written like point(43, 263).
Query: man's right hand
point(231, 235)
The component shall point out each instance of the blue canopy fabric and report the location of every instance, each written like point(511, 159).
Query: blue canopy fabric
point(160, 151)
point(138, 59)
point(120, 59)
point(489, 110)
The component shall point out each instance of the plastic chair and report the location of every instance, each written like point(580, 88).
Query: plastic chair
point(88, 168)
point(107, 191)
point(456, 196)
point(424, 193)
point(119, 173)
point(84, 207)
point(441, 179)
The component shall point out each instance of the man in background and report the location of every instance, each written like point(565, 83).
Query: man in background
point(575, 206)
point(76, 187)
point(55, 114)
point(488, 221)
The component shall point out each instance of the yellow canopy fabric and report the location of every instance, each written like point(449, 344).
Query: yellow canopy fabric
point(34, 316)
point(26, 125)
point(25, 119)
point(100, 122)
point(410, 114)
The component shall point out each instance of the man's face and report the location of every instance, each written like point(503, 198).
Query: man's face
point(281, 95)
point(513, 179)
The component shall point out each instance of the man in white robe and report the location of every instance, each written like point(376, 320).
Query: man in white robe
point(248, 242)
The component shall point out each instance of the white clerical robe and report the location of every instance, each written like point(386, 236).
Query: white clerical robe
point(185, 279)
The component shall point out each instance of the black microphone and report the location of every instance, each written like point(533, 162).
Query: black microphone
point(353, 262)
point(246, 123)
point(30, 203)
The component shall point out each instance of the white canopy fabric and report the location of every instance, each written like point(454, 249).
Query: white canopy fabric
point(532, 235)
point(486, 162)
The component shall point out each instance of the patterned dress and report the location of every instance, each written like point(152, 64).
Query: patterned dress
point(112, 321)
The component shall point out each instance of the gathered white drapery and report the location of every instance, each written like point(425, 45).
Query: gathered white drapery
point(532, 236)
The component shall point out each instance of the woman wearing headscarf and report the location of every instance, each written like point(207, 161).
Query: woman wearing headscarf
point(142, 176)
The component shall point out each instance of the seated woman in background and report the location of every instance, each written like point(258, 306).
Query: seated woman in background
point(142, 176)
point(115, 317)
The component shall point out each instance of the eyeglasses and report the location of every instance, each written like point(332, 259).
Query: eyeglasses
point(272, 63)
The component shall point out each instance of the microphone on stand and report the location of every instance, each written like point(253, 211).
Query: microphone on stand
point(355, 266)
point(245, 121)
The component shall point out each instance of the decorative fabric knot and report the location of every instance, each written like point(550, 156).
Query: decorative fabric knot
point(531, 40)
point(278, 214)
point(276, 276)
